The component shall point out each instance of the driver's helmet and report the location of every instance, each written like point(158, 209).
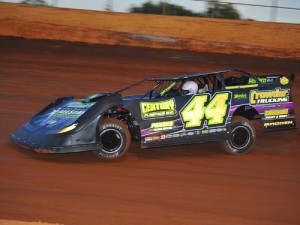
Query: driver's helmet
point(189, 88)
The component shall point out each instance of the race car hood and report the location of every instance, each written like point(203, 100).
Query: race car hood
point(64, 112)
point(61, 116)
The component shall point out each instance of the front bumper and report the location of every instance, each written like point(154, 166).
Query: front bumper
point(43, 140)
point(47, 149)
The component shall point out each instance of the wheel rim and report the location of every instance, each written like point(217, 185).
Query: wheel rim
point(111, 140)
point(240, 137)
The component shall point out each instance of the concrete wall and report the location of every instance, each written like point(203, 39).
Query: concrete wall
point(196, 34)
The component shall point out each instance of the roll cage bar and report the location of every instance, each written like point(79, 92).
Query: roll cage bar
point(218, 83)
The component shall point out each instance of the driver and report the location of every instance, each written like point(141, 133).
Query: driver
point(189, 88)
point(202, 88)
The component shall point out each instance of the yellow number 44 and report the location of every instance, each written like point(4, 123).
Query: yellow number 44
point(215, 112)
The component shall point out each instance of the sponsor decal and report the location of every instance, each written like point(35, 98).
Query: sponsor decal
point(279, 123)
point(276, 113)
point(197, 132)
point(253, 81)
point(205, 131)
point(51, 122)
point(262, 80)
point(265, 97)
point(214, 130)
point(168, 136)
point(69, 112)
point(56, 122)
point(162, 126)
point(79, 104)
point(240, 96)
point(156, 138)
point(182, 134)
point(148, 139)
point(270, 106)
point(175, 135)
point(284, 81)
point(241, 86)
point(191, 133)
point(158, 109)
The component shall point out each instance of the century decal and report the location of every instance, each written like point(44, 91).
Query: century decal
point(265, 97)
point(158, 109)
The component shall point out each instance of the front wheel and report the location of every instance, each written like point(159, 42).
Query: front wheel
point(243, 136)
point(114, 139)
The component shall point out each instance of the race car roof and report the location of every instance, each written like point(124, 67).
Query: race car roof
point(183, 77)
point(192, 75)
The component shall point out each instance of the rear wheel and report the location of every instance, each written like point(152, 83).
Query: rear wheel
point(114, 139)
point(243, 136)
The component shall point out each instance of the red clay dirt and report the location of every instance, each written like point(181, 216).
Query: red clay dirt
point(280, 40)
point(193, 184)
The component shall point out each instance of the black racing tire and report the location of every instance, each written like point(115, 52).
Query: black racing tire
point(114, 139)
point(243, 136)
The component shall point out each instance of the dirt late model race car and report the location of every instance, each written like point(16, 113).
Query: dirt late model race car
point(183, 109)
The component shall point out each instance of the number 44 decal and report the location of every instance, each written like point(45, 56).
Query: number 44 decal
point(214, 110)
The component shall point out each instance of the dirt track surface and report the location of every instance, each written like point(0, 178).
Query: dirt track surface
point(154, 31)
point(194, 184)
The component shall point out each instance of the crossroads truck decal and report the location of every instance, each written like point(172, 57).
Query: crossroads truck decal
point(219, 106)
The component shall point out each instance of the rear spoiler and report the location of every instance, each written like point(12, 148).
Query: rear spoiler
point(274, 80)
point(284, 80)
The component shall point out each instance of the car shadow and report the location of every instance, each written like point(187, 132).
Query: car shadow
point(191, 150)
point(135, 151)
